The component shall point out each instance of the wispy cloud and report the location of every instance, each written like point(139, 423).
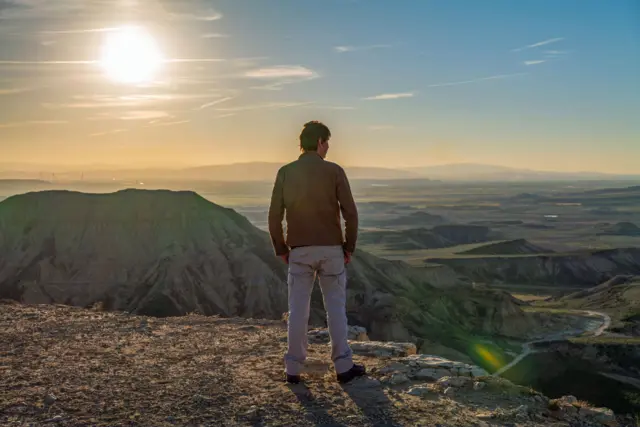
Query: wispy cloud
point(215, 36)
point(133, 115)
point(95, 62)
point(555, 52)
point(15, 90)
point(188, 60)
point(534, 62)
point(212, 103)
point(386, 96)
point(345, 49)
point(73, 62)
point(32, 123)
point(267, 106)
point(281, 71)
point(482, 79)
point(14, 9)
point(222, 116)
point(248, 62)
point(83, 30)
point(281, 75)
point(381, 127)
point(330, 107)
point(172, 123)
point(109, 132)
point(144, 115)
point(133, 100)
point(207, 16)
point(542, 43)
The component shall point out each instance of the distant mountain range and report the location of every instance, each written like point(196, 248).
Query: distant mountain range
point(480, 172)
point(265, 171)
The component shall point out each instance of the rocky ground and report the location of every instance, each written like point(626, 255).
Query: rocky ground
point(72, 367)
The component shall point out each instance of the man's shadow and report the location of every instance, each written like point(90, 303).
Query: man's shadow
point(369, 396)
point(316, 409)
point(366, 393)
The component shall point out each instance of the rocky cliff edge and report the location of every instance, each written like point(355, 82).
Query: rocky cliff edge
point(69, 366)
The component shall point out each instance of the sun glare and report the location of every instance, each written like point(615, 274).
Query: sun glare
point(131, 55)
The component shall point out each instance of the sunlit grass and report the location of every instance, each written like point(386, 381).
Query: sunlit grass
point(530, 297)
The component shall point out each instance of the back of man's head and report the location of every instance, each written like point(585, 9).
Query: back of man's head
point(313, 132)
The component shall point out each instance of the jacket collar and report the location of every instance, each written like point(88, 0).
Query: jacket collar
point(310, 155)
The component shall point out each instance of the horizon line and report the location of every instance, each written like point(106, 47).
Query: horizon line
point(11, 166)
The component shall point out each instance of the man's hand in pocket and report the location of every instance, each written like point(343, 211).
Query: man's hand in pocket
point(285, 258)
point(347, 257)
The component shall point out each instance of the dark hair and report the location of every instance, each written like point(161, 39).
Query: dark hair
point(311, 133)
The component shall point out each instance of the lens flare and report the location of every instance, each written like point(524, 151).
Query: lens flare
point(488, 357)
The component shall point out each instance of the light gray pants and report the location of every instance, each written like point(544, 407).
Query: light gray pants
point(304, 264)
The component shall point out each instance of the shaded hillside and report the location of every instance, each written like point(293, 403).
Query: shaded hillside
point(575, 269)
point(465, 234)
point(511, 247)
point(618, 297)
point(160, 253)
point(622, 229)
point(527, 198)
point(164, 253)
point(422, 238)
point(415, 219)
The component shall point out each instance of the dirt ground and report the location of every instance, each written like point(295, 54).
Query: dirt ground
point(73, 367)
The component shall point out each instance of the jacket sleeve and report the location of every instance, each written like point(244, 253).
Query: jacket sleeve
point(349, 211)
point(276, 215)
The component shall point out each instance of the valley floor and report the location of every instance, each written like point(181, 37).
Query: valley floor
point(75, 367)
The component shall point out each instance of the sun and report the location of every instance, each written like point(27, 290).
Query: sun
point(131, 55)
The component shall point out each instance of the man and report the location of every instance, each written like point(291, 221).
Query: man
point(313, 192)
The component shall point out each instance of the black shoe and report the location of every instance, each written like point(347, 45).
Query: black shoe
point(293, 379)
point(354, 372)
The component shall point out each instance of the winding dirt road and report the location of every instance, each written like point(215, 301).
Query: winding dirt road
point(527, 350)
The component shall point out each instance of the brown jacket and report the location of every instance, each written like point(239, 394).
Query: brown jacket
point(312, 191)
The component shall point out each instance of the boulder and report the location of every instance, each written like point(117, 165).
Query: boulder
point(397, 379)
point(569, 400)
point(521, 413)
point(602, 415)
point(431, 374)
point(429, 361)
point(478, 372)
point(420, 390)
point(570, 412)
point(395, 367)
point(321, 336)
point(479, 385)
point(383, 349)
point(358, 333)
point(426, 361)
point(454, 381)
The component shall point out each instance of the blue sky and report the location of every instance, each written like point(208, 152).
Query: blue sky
point(540, 84)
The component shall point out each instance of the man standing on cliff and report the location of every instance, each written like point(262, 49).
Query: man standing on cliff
point(312, 192)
